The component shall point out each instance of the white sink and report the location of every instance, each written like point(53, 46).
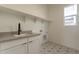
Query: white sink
point(21, 35)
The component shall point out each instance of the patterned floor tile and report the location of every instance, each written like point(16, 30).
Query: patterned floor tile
point(52, 48)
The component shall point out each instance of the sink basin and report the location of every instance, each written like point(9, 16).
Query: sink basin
point(21, 35)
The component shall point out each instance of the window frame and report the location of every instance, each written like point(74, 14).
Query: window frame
point(73, 17)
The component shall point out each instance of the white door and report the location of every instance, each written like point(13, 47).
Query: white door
point(19, 49)
point(34, 45)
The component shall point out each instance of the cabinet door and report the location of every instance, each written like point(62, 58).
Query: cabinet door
point(34, 45)
point(19, 49)
point(9, 44)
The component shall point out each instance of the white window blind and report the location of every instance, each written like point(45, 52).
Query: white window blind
point(70, 13)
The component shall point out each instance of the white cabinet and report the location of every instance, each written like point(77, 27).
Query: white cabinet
point(19, 49)
point(34, 45)
point(29, 45)
point(9, 44)
point(16, 46)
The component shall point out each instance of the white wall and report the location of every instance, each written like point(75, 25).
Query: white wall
point(71, 35)
point(58, 33)
point(38, 10)
point(56, 25)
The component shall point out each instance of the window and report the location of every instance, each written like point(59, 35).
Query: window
point(70, 13)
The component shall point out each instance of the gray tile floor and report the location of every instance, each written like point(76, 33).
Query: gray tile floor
point(52, 48)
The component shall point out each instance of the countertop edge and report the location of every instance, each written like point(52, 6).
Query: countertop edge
point(17, 38)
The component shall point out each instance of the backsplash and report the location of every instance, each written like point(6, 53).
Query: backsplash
point(9, 23)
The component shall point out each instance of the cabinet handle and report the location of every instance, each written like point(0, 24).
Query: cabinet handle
point(29, 42)
point(24, 43)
